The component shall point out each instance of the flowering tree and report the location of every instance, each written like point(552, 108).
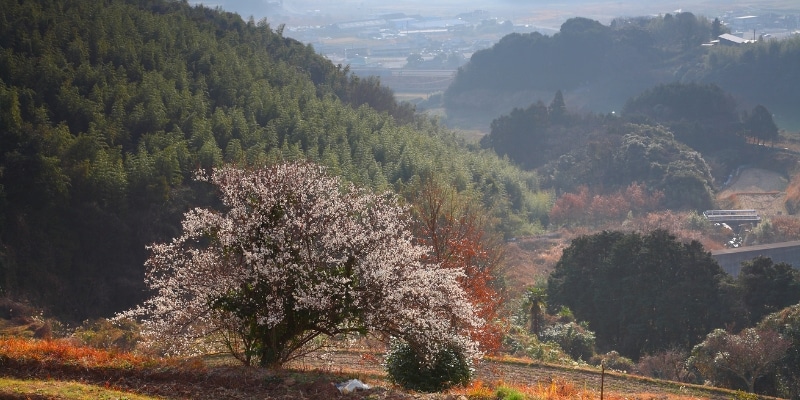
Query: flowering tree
point(748, 356)
point(787, 323)
point(296, 255)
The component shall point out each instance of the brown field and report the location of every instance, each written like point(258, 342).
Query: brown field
point(758, 189)
point(35, 369)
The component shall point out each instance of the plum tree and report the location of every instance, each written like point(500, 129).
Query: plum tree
point(748, 356)
point(294, 255)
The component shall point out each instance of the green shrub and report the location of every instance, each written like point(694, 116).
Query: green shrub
point(741, 395)
point(565, 315)
point(507, 393)
point(409, 369)
point(106, 334)
point(575, 339)
point(520, 343)
point(612, 360)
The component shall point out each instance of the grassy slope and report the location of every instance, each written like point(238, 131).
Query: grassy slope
point(32, 389)
point(53, 368)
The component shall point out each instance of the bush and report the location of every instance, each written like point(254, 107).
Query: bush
point(507, 393)
point(410, 369)
point(613, 361)
point(122, 334)
point(17, 311)
point(518, 342)
point(565, 315)
point(667, 364)
point(576, 340)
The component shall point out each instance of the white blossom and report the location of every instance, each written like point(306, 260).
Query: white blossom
point(305, 244)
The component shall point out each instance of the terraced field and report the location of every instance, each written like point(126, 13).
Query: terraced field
point(519, 372)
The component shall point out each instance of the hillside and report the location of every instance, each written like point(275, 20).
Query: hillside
point(599, 67)
point(110, 108)
point(112, 115)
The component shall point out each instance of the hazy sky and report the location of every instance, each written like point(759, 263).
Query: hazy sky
point(540, 13)
point(298, 12)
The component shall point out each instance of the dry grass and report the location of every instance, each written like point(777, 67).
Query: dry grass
point(529, 261)
point(556, 389)
point(64, 352)
point(49, 389)
point(49, 369)
point(793, 195)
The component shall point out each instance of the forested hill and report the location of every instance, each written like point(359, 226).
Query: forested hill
point(108, 108)
point(599, 67)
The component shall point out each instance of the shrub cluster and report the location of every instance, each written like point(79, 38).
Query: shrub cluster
point(574, 339)
point(408, 368)
point(613, 361)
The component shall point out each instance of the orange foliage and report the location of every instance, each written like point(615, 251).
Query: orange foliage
point(672, 221)
point(668, 220)
point(460, 236)
point(570, 207)
point(786, 228)
point(609, 207)
point(793, 195)
point(560, 389)
point(640, 200)
point(64, 352)
point(583, 208)
point(478, 390)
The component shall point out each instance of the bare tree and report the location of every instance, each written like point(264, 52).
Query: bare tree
point(748, 356)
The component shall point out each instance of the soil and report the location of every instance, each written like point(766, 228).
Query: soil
point(221, 382)
point(758, 189)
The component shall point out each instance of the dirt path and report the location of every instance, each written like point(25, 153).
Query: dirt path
point(529, 374)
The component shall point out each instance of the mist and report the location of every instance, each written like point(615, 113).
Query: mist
point(295, 13)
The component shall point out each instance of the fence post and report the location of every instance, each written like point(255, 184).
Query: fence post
point(602, 378)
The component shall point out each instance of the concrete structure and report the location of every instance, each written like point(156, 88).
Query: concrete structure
point(732, 217)
point(731, 40)
point(731, 259)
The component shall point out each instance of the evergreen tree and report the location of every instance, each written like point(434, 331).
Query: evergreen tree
point(760, 126)
point(640, 293)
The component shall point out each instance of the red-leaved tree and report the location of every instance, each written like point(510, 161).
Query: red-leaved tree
point(584, 208)
point(461, 236)
point(570, 208)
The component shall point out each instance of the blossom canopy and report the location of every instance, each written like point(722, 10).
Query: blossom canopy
point(297, 254)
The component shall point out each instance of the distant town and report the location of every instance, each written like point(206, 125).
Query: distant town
point(400, 46)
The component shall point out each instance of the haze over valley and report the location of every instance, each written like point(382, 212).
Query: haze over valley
point(416, 48)
point(591, 184)
point(548, 14)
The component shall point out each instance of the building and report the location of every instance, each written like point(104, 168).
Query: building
point(731, 40)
